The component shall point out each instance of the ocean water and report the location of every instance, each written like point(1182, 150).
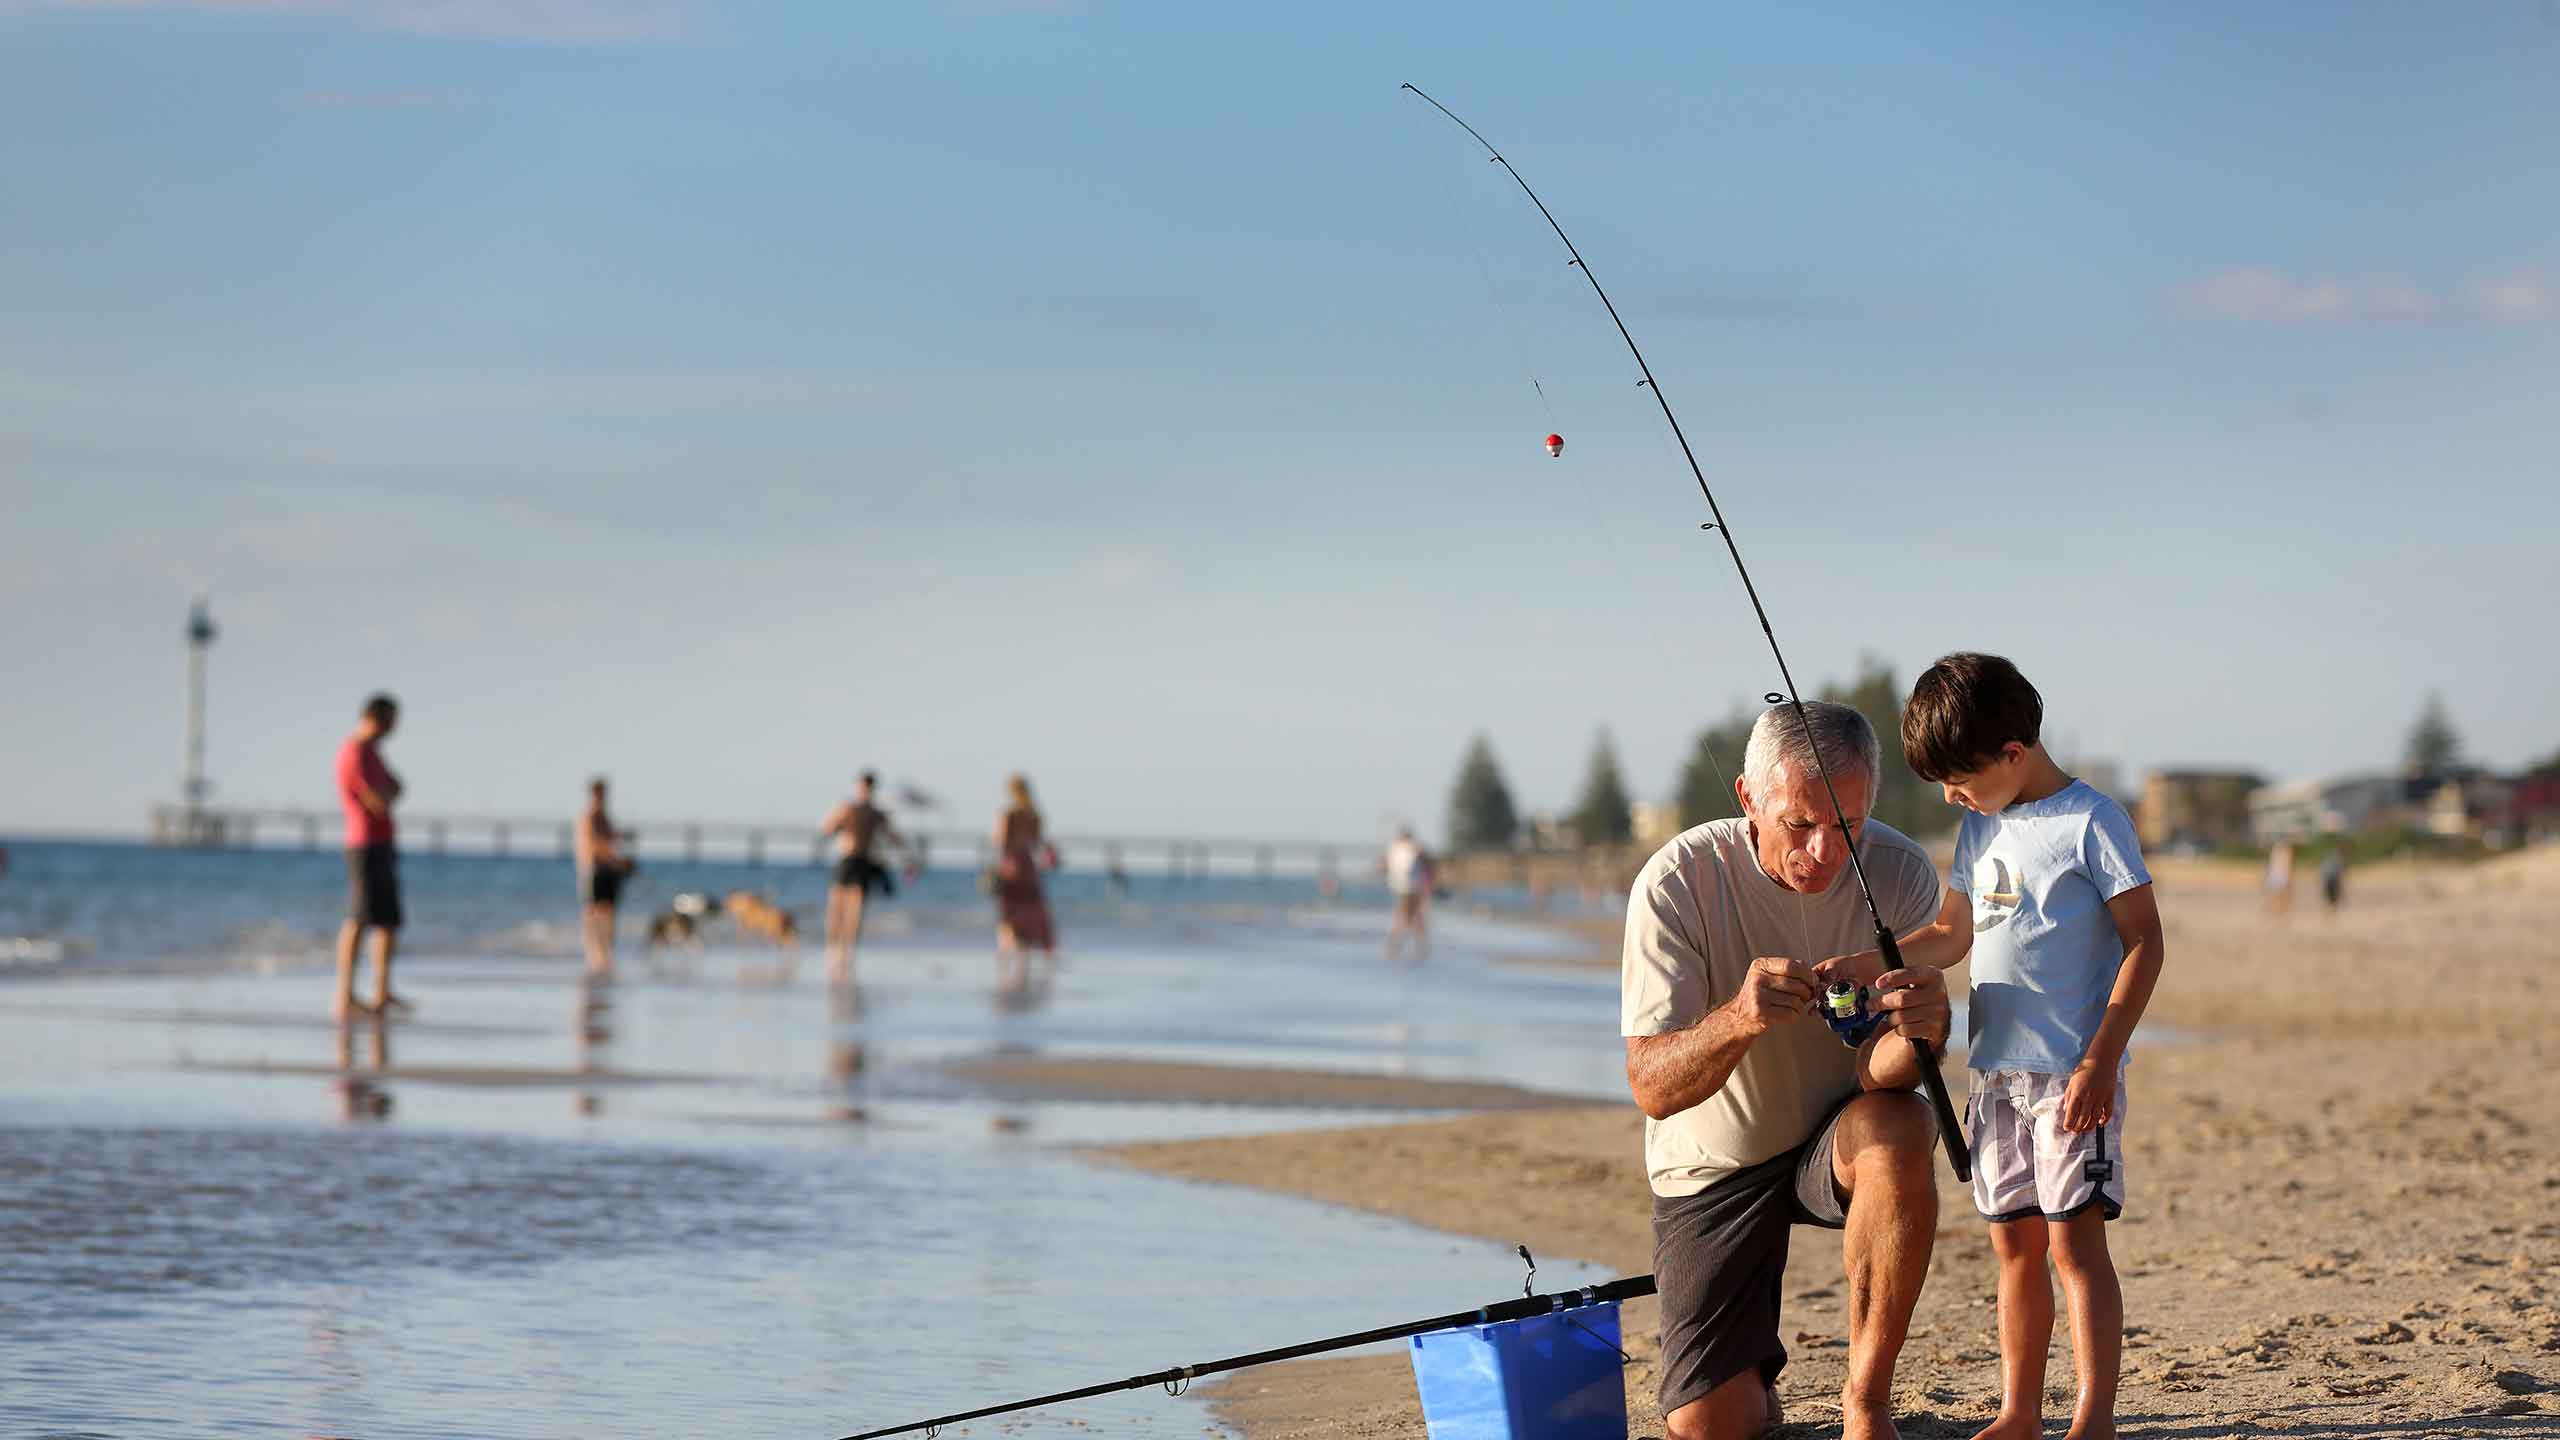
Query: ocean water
point(75, 906)
point(680, 1204)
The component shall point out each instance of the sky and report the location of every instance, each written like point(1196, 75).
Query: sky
point(1148, 398)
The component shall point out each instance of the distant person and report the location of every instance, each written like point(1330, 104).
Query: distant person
point(602, 867)
point(859, 827)
point(368, 790)
point(1411, 877)
point(2333, 877)
point(2279, 882)
point(1023, 922)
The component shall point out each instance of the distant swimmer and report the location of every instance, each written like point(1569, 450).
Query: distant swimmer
point(602, 867)
point(858, 827)
point(368, 790)
point(1023, 921)
point(1410, 880)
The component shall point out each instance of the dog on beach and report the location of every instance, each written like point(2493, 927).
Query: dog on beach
point(755, 915)
point(681, 922)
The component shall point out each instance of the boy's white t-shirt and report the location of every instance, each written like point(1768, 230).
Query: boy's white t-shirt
point(2045, 950)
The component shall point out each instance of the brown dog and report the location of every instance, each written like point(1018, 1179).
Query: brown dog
point(755, 915)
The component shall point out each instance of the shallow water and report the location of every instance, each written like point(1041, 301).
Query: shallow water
point(699, 1207)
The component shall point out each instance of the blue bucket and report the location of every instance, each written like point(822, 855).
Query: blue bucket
point(1557, 1376)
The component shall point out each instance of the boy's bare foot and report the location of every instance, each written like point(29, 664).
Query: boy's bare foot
point(2012, 1427)
point(1860, 1421)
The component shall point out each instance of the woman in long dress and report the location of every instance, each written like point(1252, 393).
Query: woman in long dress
point(1022, 909)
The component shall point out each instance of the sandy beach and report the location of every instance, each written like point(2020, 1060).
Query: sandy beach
point(2340, 1221)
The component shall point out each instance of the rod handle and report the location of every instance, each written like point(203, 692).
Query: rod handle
point(1933, 1081)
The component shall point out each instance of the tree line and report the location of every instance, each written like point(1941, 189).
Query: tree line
point(1483, 815)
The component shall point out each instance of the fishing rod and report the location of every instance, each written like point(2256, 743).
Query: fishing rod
point(1179, 1378)
point(1931, 1080)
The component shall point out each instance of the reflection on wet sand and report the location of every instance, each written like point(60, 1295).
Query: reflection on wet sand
point(845, 1059)
point(361, 1096)
point(592, 1024)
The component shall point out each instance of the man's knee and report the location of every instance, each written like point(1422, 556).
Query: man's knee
point(1887, 1125)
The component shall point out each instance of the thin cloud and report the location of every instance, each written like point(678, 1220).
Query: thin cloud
point(559, 22)
point(2248, 293)
point(2523, 296)
point(336, 99)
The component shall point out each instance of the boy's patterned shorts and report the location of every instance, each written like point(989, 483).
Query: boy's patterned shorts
point(2025, 1163)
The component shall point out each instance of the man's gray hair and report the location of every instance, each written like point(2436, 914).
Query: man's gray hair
point(1778, 741)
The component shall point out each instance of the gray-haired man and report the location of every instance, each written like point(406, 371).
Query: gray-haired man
point(1757, 1118)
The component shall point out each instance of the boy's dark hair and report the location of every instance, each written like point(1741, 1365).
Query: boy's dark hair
point(1963, 710)
point(381, 707)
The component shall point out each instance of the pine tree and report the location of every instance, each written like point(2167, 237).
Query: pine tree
point(2433, 746)
point(1481, 816)
point(1706, 781)
point(1603, 815)
point(1902, 799)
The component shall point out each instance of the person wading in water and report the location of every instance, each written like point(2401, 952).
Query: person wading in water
point(857, 825)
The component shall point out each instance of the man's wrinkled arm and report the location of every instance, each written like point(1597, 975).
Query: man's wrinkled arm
point(1669, 1073)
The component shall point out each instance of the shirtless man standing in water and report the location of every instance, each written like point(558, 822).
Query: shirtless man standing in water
point(857, 825)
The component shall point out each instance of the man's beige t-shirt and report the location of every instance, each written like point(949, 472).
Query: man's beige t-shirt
point(1698, 916)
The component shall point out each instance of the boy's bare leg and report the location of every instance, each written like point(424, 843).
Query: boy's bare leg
point(383, 999)
point(2097, 1320)
point(1880, 1156)
point(2026, 1328)
point(343, 1006)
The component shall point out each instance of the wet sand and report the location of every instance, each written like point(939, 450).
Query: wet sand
point(490, 1077)
point(1177, 1083)
point(2342, 1192)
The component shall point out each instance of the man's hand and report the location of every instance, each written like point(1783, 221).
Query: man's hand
point(2089, 1099)
point(1913, 1002)
point(1864, 968)
point(1777, 989)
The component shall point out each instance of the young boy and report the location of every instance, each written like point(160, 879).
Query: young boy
point(2049, 897)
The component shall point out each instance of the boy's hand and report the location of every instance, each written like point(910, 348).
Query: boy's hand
point(1864, 968)
point(2089, 1098)
point(1777, 989)
point(1914, 1002)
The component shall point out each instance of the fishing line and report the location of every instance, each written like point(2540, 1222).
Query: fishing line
point(1505, 320)
point(1932, 1082)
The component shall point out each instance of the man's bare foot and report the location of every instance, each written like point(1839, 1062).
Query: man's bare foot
point(390, 1004)
point(2012, 1427)
point(1867, 1422)
point(2099, 1430)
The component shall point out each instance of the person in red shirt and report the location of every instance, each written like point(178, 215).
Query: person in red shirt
point(368, 790)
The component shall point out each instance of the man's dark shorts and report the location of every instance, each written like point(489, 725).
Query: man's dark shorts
point(373, 887)
point(1720, 1258)
point(861, 872)
point(604, 884)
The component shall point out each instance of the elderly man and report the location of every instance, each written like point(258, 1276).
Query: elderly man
point(1757, 1117)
